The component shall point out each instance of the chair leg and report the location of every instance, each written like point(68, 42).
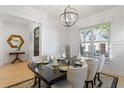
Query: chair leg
point(39, 81)
point(95, 80)
point(92, 84)
point(86, 82)
point(98, 76)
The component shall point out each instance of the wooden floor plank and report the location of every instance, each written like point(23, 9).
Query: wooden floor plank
point(14, 73)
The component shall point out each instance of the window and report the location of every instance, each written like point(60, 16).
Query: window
point(94, 40)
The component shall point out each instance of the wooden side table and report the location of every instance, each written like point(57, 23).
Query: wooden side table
point(17, 56)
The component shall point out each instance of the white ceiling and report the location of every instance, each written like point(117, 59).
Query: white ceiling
point(83, 10)
point(14, 19)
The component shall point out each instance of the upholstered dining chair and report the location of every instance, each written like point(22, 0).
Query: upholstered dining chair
point(45, 58)
point(92, 68)
point(75, 78)
point(101, 61)
point(36, 59)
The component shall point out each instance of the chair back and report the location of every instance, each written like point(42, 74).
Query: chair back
point(45, 58)
point(101, 61)
point(36, 59)
point(92, 68)
point(77, 76)
point(39, 59)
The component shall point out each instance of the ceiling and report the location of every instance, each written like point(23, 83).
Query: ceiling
point(15, 19)
point(83, 10)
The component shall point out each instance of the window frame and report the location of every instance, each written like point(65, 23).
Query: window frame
point(92, 40)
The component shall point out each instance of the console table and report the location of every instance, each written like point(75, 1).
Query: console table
point(17, 56)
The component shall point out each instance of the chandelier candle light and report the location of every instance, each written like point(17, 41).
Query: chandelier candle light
point(69, 17)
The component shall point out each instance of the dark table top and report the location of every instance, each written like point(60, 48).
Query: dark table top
point(47, 73)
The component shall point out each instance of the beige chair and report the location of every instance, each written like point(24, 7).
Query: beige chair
point(39, 59)
point(92, 68)
point(36, 59)
point(101, 61)
point(45, 58)
point(75, 78)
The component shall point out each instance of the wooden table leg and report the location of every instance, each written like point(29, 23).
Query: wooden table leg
point(35, 82)
point(20, 60)
point(14, 61)
point(39, 81)
point(17, 58)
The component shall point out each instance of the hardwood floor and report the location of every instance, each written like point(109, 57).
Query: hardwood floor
point(14, 73)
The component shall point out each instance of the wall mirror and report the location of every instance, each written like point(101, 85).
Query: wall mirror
point(15, 41)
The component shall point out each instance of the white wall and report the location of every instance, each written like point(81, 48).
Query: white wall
point(1, 41)
point(11, 27)
point(53, 35)
point(115, 16)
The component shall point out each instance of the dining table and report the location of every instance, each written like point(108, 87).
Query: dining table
point(47, 73)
